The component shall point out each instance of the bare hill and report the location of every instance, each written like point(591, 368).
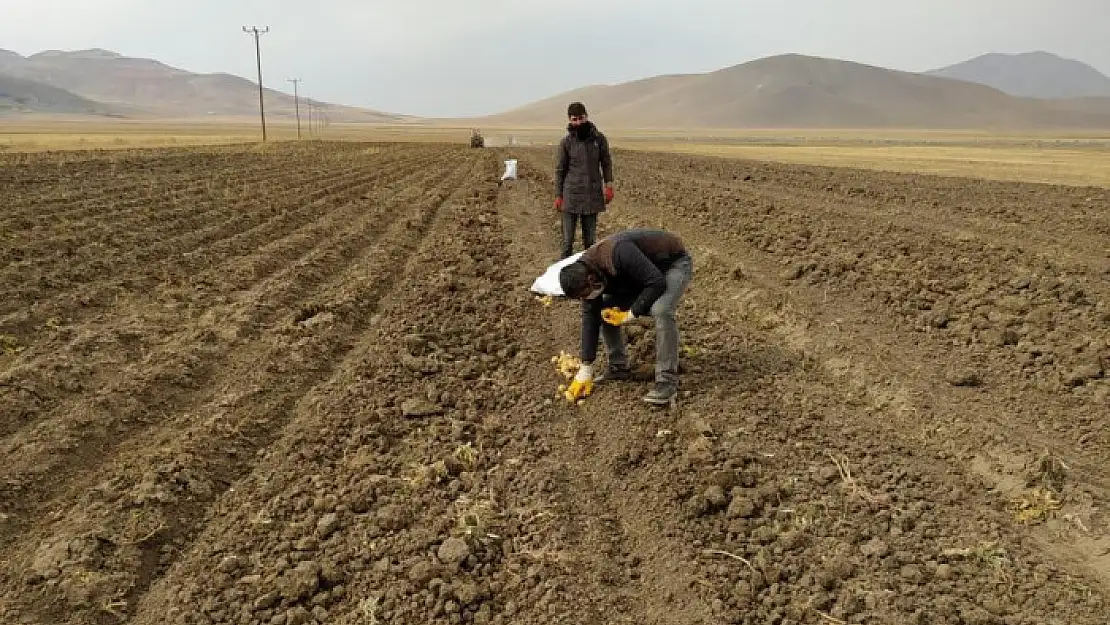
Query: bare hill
point(20, 95)
point(1031, 74)
point(802, 91)
point(159, 89)
point(1090, 105)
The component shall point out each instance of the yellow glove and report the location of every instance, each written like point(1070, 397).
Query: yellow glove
point(582, 385)
point(616, 316)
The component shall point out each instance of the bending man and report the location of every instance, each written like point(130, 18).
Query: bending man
point(635, 273)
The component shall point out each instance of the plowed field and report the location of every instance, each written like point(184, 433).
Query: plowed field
point(308, 384)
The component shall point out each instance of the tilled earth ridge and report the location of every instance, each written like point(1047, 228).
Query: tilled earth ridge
point(924, 473)
point(1023, 328)
point(185, 368)
point(343, 410)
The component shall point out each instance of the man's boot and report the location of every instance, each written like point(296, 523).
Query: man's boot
point(662, 393)
point(614, 374)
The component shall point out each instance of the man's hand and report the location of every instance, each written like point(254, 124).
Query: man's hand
point(559, 203)
point(616, 316)
point(582, 385)
point(608, 193)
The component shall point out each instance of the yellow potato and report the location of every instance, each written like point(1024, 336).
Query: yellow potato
point(566, 364)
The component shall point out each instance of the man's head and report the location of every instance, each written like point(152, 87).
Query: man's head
point(578, 282)
point(576, 114)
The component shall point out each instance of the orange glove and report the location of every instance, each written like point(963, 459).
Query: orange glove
point(582, 385)
point(608, 194)
point(616, 316)
point(559, 203)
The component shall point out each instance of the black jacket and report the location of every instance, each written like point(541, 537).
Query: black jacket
point(582, 168)
point(633, 264)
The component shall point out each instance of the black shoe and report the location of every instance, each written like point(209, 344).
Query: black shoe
point(614, 374)
point(662, 394)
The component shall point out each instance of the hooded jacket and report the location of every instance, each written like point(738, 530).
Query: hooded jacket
point(582, 169)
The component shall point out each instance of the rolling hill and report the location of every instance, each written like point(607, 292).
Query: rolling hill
point(1031, 74)
point(798, 91)
point(20, 95)
point(159, 90)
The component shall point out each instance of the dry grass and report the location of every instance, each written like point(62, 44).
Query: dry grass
point(1076, 158)
point(1074, 166)
point(37, 134)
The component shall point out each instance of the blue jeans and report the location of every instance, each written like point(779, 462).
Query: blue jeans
point(663, 311)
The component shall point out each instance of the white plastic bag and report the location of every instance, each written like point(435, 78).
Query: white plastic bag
point(510, 170)
point(548, 283)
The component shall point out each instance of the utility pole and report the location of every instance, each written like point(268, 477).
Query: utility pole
point(254, 31)
point(297, 104)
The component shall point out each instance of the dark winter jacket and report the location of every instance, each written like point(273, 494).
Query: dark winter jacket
point(633, 264)
point(582, 168)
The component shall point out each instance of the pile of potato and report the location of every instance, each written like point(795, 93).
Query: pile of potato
point(567, 365)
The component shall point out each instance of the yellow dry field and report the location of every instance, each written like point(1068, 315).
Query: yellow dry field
point(1083, 166)
point(38, 134)
point(1066, 158)
point(41, 136)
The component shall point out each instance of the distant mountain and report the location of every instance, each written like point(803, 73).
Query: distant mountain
point(160, 90)
point(19, 95)
point(796, 91)
point(1031, 74)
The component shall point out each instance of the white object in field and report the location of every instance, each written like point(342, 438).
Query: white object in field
point(510, 170)
point(548, 283)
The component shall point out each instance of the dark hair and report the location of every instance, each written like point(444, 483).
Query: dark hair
point(574, 279)
point(576, 109)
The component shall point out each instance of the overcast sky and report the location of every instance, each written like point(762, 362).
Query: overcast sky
point(472, 57)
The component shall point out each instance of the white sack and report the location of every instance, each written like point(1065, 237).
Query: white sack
point(548, 283)
point(510, 170)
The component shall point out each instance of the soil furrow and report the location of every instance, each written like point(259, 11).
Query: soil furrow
point(346, 411)
point(231, 237)
point(99, 193)
point(122, 194)
point(179, 364)
point(828, 330)
point(183, 466)
point(236, 273)
point(83, 263)
point(1065, 243)
point(1057, 207)
point(990, 301)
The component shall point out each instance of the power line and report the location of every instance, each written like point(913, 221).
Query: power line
point(297, 104)
point(316, 117)
point(256, 33)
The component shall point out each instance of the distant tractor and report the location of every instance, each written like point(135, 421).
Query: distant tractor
point(476, 139)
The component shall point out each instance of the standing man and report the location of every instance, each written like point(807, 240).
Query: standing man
point(583, 177)
point(634, 273)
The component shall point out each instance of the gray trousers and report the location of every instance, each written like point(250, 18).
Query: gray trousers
point(666, 327)
point(589, 231)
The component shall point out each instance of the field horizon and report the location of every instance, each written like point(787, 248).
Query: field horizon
point(1074, 157)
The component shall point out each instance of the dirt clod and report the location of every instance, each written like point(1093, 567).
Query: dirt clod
point(453, 551)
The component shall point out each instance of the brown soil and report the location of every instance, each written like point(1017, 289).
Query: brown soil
point(309, 384)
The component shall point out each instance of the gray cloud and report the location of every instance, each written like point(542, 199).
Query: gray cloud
point(448, 58)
